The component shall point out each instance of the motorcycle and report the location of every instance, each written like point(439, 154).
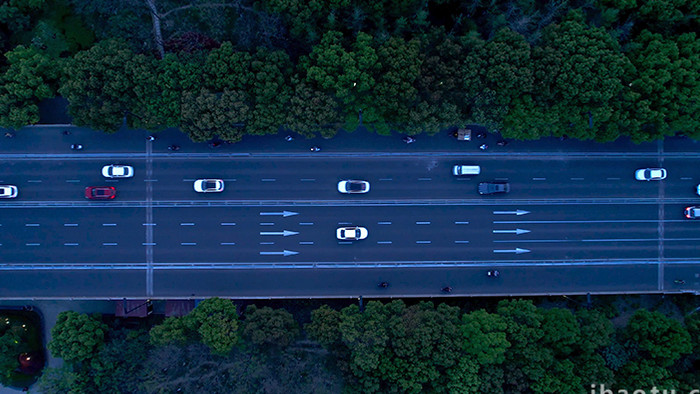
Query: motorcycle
point(174, 147)
point(76, 146)
point(493, 273)
point(408, 139)
point(315, 148)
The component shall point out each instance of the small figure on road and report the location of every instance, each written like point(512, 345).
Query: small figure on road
point(483, 146)
point(9, 134)
point(315, 148)
point(563, 137)
point(447, 289)
point(66, 132)
point(408, 139)
point(76, 146)
point(481, 134)
point(679, 281)
point(493, 273)
point(151, 138)
point(215, 144)
point(502, 143)
point(384, 285)
point(174, 147)
point(288, 138)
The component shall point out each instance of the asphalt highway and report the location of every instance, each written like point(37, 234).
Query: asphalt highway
point(574, 223)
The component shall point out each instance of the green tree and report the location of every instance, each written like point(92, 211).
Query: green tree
point(312, 112)
point(324, 326)
point(267, 327)
point(172, 330)
point(562, 332)
point(117, 367)
point(484, 337)
point(596, 330)
point(270, 90)
point(77, 336)
point(12, 344)
point(32, 75)
point(98, 87)
point(661, 338)
point(216, 322)
point(206, 114)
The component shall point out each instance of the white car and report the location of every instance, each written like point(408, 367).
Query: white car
point(697, 190)
point(650, 174)
point(8, 191)
point(351, 233)
point(209, 185)
point(352, 186)
point(117, 171)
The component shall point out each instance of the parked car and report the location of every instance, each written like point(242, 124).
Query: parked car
point(8, 191)
point(650, 174)
point(493, 187)
point(117, 171)
point(351, 233)
point(100, 192)
point(352, 186)
point(209, 185)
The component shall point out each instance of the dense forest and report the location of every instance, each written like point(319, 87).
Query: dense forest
point(588, 69)
point(461, 346)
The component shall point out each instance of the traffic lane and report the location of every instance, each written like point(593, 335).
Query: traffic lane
point(682, 276)
point(66, 180)
point(404, 281)
point(73, 235)
point(67, 283)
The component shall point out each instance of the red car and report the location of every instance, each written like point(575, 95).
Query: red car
point(100, 192)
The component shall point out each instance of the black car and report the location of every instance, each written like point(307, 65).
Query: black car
point(494, 187)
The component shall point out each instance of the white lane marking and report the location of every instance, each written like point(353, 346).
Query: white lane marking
point(539, 179)
point(384, 242)
point(686, 178)
point(422, 222)
point(70, 244)
point(33, 244)
point(229, 179)
point(73, 180)
point(344, 242)
point(461, 242)
point(109, 244)
point(344, 223)
point(70, 224)
point(32, 225)
point(148, 243)
point(228, 224)
point(306, 243)
point(386, 179)
point(34, 181)
point(267, 243)
point(188, 244)
point(228, 243)
point(149, 224)
point(308, 180)
point(306, 223)
point(425, 179)
point(423, 242)
point(269, 180)
point(384, 223)
point(186, 224)
point(461, 222)
point(267, 224)
point(613, 179)
point(150, 180)
point(576, 179)
point(109, 224)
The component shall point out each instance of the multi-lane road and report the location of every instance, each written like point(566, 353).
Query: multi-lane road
point(572, 224)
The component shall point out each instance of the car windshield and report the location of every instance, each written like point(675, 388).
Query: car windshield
point(210, 185)
point(101, 192)
point(355, 186)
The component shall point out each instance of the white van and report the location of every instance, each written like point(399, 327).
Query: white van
point(461, 169)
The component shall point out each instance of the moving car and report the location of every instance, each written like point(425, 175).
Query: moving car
point(493, 187)
point(117, 171)
point(697, 190)
point(692, 212)
point(650, 174)
point(8, 191)
point(209, 185)
point(352, 186)
point(462, 169)
point(351, 233)
point(100, 192)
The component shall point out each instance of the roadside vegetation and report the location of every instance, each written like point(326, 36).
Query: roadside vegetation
point(21, 347)
point(591, 70)
point(540, 345)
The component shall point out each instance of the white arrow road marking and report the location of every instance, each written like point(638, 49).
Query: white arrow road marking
point(518, 212)
point(283, 213)
point(283, 233)
point(285, 253)
point(516, 251)
point(517, 231)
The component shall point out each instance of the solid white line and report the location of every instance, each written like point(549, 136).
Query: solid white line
point(423, 242)
point(306, 243)
point(109, 224)
point(267, 224)
point(149, 224)
point(267, 243)
point(148, 243)
point(461, 222)
point(228, 243)
point(306, 223)
point(461, 242)
point(422, 222)
point(269, 180)
point(228, 224)
point(109, 244)
point(186, 224)
point(70, 224)
point(383, 222)
point(70, 244)
point(31, 225)
point(33, 244)
point(384, 242)
point(188, 243)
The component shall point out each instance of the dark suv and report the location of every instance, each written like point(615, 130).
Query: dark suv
point(494, 187)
